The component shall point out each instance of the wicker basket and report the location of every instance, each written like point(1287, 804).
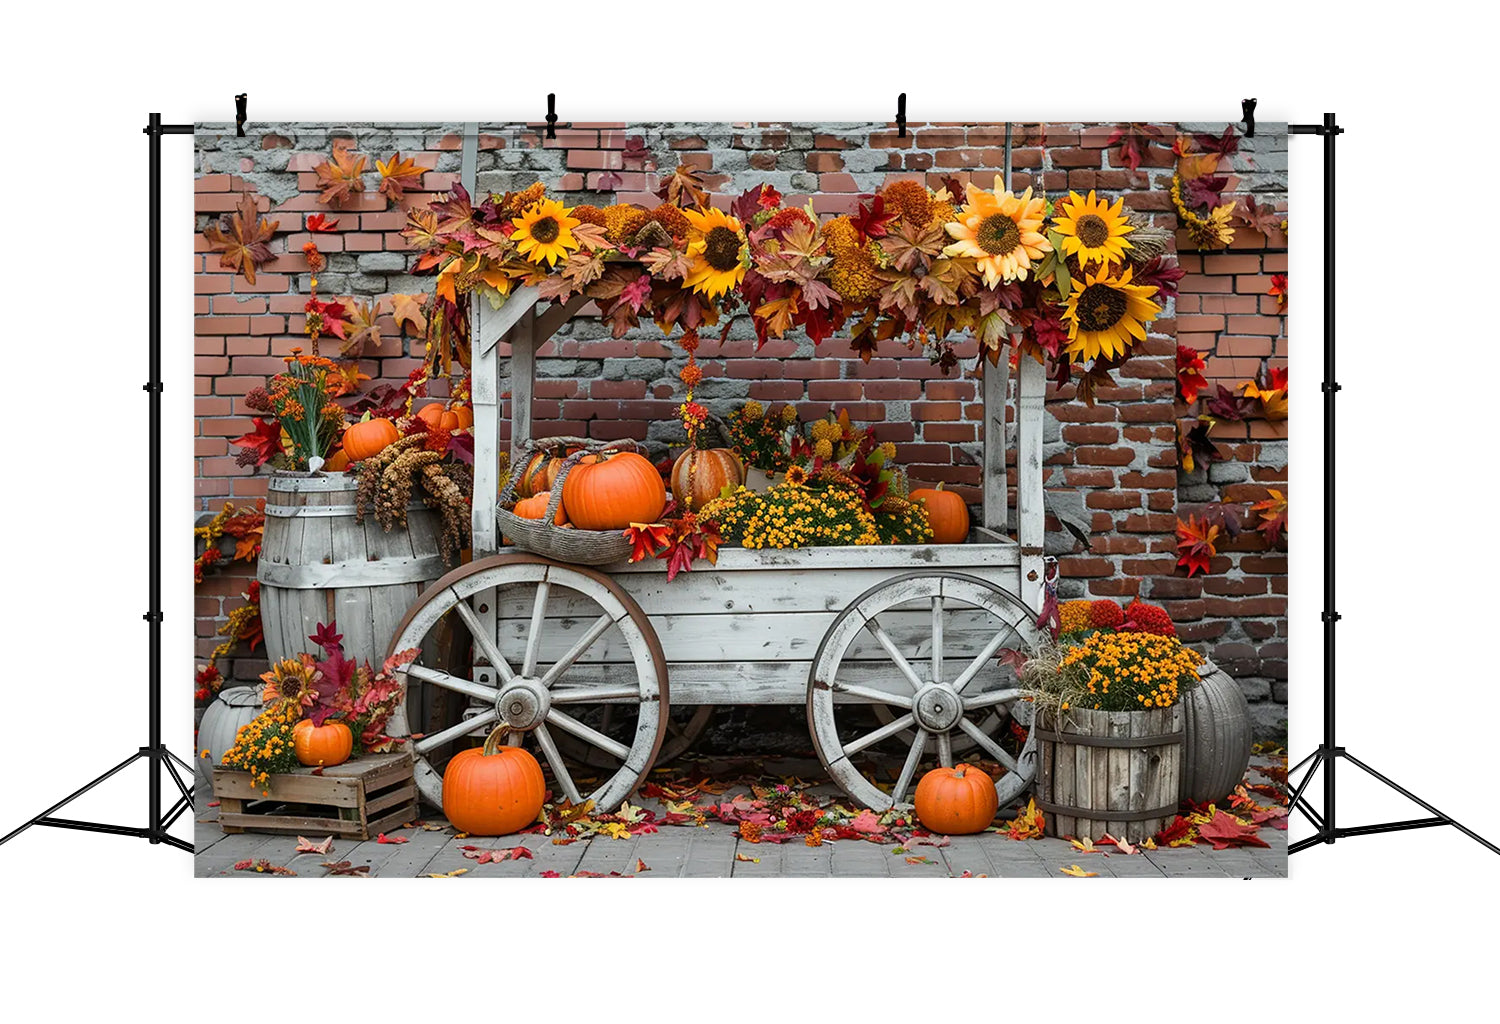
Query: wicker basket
point(542, 536)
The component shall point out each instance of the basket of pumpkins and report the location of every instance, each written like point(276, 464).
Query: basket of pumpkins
point(572, 499)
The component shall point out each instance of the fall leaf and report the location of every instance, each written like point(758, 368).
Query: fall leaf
point(1226, 405)
point(1084, 845)
point(1272, 512)
point(323, 846)
point(1224, 830)
point(447, 874)
point(640, 866)
point(383, 838)
point(1078, 872)
point(1263, 219)
point(1205, 191)
point(362, 329)
point(746, 858)
point(407, 311)
point(319, 223)
point(397, 175)
point(871, 220)
point(340, 178)
point(344, 867)
point(244, 248)
point(920, 860)
point(1120, 844)
point(261, 444)
point(1195, 544)
point(646, 539)
point(495, 856)
point(1278, 289)
point(1220, 145)
point(684, 186)
point(1195, 446)
point(1190, 367)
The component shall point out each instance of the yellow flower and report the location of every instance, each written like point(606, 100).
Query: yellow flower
point(544, 232)
point(1105, 313)
point(1002, 231)
point(1092, 229)
point(717, 251)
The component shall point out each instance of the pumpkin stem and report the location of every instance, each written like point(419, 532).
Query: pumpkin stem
point(493, 740)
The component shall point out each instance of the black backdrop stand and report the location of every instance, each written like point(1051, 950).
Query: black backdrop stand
point(160, 760)
point(1329, 753)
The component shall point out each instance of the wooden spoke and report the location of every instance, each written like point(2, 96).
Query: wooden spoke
point(889, 729)
point(909, 769)
point(599, 628)
point(484, 640)
point(896, 656)
point(879, 696)
point(592, 694)
point(995, 750)
point(569, 724)
point(555, 761)
point(982, 659)
point(945, 749)
point(436, 739)
point(992, 697)
point(937, 638)
point(534, 637)
point(455, 683)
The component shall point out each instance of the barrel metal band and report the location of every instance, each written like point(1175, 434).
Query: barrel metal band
point(1103, 814)
point(343, 575)
point(309, 511)
point(1134, 742)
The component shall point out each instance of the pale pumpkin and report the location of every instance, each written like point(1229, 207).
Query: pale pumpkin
point(713, 470)
point(493, 790)
point(611, 491)
point(956, 801)
point(946, 512)
point(327, 745)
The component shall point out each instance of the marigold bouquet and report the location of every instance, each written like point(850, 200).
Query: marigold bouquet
point(263, 747)
point(1106, 659)
point(762, 438)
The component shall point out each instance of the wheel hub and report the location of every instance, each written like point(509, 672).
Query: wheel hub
point(522, 704)
point(938, 707)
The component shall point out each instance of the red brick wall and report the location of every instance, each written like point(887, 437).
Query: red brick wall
point(1113, 468)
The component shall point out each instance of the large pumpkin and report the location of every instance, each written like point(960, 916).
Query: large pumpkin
point(712, 471)
point(946, 512)
point(535, 507)
point(454, 417)
point(493, 790)
point(611, 491)
point(328, 744)
point(369, 437)
point(541, 471)
point(956, 801)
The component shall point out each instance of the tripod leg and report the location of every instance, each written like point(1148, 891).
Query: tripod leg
point(74, 795)
point(1297, 802)
point(185, 766)
point(1481, 840)
point(1298, 766)
point(182, 787)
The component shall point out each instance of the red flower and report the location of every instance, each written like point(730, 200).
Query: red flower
point(1105, 615)
point(261, 444)
point(1147, 618)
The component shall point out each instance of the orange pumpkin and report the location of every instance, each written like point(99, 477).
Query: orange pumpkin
point(611, 491)
point(451, 418)
point(956, 801)
point(541, 471)
point(337, 462)
point(493, 790)
point(369, 437)
point(535, 507)
point(712, 470)
point(946, 512)
point(328, 744)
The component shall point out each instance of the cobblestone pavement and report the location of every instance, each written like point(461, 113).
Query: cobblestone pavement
point(715, 851)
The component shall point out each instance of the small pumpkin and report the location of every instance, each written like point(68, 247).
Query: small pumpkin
point(337, 462)
point(713, 470)
point(328, 744)
point(956, 801)
point(535, 507)
point(493, 790)
point(946, 512)
point(541, 471)
point(369, 437)
point(449, 418)
point(611, 491)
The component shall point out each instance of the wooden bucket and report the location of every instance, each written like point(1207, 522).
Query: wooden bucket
point(317, 564)
point(1218, 735)
point(1110, 771)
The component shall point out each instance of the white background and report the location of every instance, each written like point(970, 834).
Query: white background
point(1389, 927)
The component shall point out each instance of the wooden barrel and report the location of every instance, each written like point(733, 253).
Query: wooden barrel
point(1110, 771)
point(234, 707)
point(1217, 736)
point(317, 564)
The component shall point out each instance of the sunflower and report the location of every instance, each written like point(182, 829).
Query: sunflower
point(544, 232)
point(1105, 313)
point(796, 476)
point(291, 680)
point(1093, 230)
point(717, 250)
point(1002, 231)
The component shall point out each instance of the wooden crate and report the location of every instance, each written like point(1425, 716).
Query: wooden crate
point(357, 799)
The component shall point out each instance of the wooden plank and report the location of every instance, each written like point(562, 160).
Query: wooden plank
point(1117, 772)
point(522, 382)
point(351, 605)
point(354, 573)
point(484, 381)
point(996, 387)
point(1031, 393)
point(971, 558)
point(1083, 774)
point(494, 324)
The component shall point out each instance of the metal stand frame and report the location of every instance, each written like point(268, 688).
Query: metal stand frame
point(160, 759)
point(1329, 753)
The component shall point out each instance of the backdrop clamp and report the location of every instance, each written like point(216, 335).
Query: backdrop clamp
point(901, 116)
point(552, 115)
point(1247, 115)
point(240, 102)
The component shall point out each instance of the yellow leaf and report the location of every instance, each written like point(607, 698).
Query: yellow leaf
point(747, 858)
point(448, 874)
point(1078, 872)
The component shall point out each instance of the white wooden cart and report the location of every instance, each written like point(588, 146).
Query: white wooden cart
point(586, 665)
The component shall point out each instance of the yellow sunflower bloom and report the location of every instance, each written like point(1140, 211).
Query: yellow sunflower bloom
point(1093, 230)
point(717, 250)
point(1002, 231)
point(544, 232)
point(1106, 315)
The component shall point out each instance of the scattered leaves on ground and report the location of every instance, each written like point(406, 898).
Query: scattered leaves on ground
point(323, 846)
point(1078, 872)
point(344, 867)
point(383, 838)
point(495, 856)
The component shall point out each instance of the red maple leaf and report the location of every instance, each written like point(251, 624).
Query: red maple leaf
point(261, 444)
point(1195, 543)
point(770, 199)
point(1190, 367)
point(871, 220)
point(1278, 289)
point(319, 223)
point(1223, 831)
point(647, 539)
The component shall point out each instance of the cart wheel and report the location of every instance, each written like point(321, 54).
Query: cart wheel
point(684, 725)
point(535, 696)
point(926, 646)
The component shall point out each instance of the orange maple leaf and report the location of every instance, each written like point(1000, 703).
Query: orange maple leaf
point(1195, 543)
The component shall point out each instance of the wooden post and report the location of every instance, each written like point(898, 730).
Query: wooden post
point(522, 379)
point(995, 515)
point(484, 374)
point(1031, 394)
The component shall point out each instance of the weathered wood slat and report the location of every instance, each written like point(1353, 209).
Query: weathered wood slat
point(996, 388)
point(358, 799)
point(974, 558)
point(1031, 393)
point(1124, 772)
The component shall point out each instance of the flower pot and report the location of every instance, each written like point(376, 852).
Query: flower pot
point(1118, 772)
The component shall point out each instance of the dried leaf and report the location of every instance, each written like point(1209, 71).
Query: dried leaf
point(448, 874)
point(323, 846)
point(640, 866)
point(344, 867)
point(340, 178)
point(397, 175)
point(1224, 830)
point(496, 856)
point(1078, 872)
point(383, 838)
point(243, 248)
point(745, 857)
point(1195, 543)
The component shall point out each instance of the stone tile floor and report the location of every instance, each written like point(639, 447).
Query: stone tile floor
point(711, 852)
